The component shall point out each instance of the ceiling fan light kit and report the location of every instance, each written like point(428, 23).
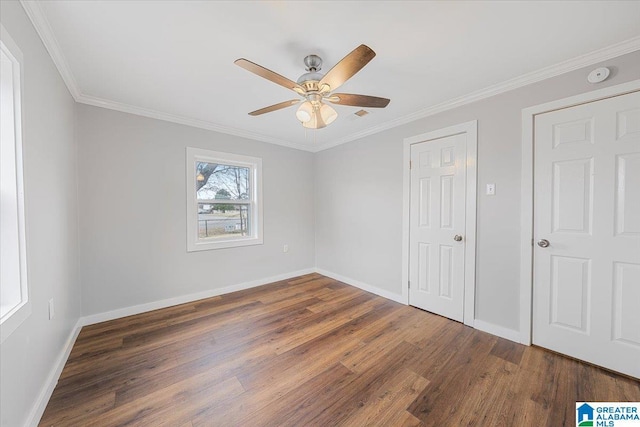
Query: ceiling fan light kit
point(315, 87)
point(305, 112)
point(328, 114)
point(320, 116)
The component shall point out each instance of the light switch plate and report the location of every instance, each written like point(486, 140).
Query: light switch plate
point(491, 189)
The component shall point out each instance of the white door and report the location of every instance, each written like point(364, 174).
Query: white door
point(587, 232)
point(437, 226)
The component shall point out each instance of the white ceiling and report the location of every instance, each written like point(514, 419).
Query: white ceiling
point(174, 59)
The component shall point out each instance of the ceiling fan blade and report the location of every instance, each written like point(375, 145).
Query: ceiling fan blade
point(347, 67)
point(358, 100)
point(269, 75)
point(274, 107)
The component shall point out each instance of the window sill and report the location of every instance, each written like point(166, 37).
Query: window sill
point(204, 245)
point(14, 319)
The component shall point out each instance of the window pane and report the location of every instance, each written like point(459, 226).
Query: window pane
point(11, 281)
point(223, 220)
point(220, 181)
point(225, 210)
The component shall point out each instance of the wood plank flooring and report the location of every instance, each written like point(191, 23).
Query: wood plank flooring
point(312, 351)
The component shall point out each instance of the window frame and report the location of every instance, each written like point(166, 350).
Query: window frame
point(194, 241)
point(20, 312)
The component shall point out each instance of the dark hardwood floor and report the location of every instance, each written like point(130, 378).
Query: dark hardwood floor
point(312, 351)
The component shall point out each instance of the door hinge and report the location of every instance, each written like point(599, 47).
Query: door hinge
point(409, 282)
point(410, 164)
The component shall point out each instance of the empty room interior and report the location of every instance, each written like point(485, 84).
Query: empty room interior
point(320, 213)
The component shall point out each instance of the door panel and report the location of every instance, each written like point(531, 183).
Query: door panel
point(446, 271)
point(424, 204)
point(627, 196)
point(628, 124)
point(587, 206)
point(626, 294)
point(572, 196)
point(437, 214)
point(570, 292)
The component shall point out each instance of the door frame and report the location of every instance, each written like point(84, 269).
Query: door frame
point(526, 191)
point(471, 129)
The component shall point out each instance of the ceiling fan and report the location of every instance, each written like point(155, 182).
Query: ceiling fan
point(315, 88)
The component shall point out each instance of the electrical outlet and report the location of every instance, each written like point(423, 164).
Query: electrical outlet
point(52, 311)
point(285, 248)
point(491, 189)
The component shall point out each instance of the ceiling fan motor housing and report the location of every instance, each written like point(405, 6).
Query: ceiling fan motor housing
point(309, 80)
point(313, 63)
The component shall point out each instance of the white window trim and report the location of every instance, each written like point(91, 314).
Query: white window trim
point(194, 243)
point(14, 318)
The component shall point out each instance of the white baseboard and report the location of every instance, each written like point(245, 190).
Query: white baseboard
point(500, 331)
point(45, 394)
point(364, 286)
point(155, 305)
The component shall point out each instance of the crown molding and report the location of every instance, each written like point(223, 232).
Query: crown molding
point(43, 28)
point(187, 121)
point(604, 54)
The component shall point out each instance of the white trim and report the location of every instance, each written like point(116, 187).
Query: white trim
point(526, 190)
point(187, 121)
point(364, 286)
point(18, 314)
point(169, 302)
point(500, 331)
point(604, 54)
point(52, 380)
point(622, 48)
point(406, 206)
point(471, 223)
point(194, 242)
point(471, 129)
point(42, 26)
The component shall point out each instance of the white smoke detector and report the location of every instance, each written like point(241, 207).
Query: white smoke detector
point(598, 75)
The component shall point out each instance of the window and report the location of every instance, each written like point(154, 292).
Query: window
point(224, 200)
point(14, 296)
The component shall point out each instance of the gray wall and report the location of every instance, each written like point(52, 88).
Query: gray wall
point(133, 212)
point(29, 355)
point(359, 193)
point(123, 221)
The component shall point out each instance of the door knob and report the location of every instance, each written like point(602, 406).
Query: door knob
point(543, 243)
point(457, 238)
